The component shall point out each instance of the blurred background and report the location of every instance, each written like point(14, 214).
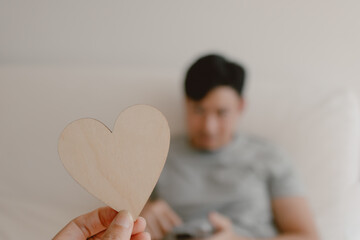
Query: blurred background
point(64, 60)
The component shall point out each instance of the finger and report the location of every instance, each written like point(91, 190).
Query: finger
point(219, 222)
point(174, 218)
point(165, 224)
point(88, 224)
point(141, 236)
point(120, 228)
point(139, 225)
point(98, 236)
point(153, 227)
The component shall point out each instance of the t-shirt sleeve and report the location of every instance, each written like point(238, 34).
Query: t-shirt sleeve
point(283, 179)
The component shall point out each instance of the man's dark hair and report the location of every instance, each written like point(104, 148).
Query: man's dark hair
point(211, 71)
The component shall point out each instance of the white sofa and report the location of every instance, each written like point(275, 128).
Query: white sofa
point(317, 123)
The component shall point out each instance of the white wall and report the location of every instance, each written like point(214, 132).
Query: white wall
point(303, 39)
point(290, 40)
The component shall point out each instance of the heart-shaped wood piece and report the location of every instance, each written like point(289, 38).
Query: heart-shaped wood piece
point(121, 167)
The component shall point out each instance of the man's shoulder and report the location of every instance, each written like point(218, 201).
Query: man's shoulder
point(249, 140)
point(263, 149)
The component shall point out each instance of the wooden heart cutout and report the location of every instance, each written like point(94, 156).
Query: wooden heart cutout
point(121, 167)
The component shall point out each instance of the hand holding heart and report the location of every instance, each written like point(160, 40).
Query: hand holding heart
point(121, 167)
point(103, 224)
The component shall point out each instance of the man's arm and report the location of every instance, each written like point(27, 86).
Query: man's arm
point(292, 216)
point(294, 219)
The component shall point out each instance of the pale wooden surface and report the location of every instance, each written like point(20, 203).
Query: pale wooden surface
point(121, 167)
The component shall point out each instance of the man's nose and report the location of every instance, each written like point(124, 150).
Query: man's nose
point(210, 124)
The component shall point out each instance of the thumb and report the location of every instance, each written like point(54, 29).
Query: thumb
point(219, 222)
point(120, 228)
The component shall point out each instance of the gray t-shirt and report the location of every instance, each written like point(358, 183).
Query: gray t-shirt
point(238, 181)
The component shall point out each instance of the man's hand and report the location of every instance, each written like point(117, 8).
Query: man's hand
point(104, 224)
point(223, 228)
point(160, 218)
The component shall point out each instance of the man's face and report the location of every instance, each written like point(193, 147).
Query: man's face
point(212, 121)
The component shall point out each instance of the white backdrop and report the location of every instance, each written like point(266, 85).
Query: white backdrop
point(292, 39)
point(287, 40)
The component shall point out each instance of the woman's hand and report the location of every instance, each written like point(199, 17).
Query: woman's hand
point(105, 224)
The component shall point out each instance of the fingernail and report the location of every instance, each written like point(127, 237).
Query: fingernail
point(124, 219)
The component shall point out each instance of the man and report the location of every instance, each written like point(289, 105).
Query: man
point(243, 186)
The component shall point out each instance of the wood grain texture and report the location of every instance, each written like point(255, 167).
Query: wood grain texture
point(121, 167)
